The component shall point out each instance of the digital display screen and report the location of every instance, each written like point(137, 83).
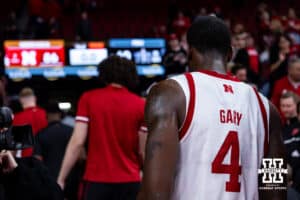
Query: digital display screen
point(27, 53)
point(25, 59)
point(146, 53)
point(90, 53)
point(54, 59)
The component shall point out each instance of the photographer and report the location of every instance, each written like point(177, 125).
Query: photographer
point(26, 178)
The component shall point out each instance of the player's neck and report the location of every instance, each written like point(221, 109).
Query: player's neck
point(116, 85)
point(214, 63)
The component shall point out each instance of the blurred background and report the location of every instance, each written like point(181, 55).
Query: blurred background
point(54, 46)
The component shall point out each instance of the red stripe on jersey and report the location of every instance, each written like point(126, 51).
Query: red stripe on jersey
point(265, 120)
point(191, 106)
point(218, 75)
point(78, 120)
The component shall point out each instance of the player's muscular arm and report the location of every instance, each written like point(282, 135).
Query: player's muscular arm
point(276, 150)
point(163, 122)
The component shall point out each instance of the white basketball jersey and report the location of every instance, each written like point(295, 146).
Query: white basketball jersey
point(223, 138)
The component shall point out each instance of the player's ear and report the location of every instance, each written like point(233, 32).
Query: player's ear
point(230, 54)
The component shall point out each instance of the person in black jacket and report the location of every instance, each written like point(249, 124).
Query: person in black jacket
point(291, 134)
point(51, 142)
point(26, 179)
point(50, 148)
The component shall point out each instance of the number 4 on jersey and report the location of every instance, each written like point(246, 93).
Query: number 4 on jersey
point(233, 169)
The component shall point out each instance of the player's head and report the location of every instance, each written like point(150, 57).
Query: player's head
point(208, 37)
point(119, 70)
point(27, 98)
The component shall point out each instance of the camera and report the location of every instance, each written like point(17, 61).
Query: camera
point(13, 137)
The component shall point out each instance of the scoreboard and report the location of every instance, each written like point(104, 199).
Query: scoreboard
point(53, 59)
point(44, 53)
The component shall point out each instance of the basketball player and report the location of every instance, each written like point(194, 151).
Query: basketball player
point(208, 132)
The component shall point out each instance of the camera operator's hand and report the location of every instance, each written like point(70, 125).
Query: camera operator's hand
point(7, 161)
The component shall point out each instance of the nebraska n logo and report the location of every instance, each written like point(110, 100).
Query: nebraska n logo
point(228, 88)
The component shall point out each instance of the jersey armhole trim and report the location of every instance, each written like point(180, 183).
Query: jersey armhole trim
point(191, 107)
point(265, 121)
point(82, 119)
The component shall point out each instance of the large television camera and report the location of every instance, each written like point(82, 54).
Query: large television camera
point(13, 137)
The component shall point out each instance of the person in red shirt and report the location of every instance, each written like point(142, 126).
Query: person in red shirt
point(291, 82)
point(110, 120)
point(31, 114)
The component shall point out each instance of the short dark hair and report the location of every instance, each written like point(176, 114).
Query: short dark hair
point(275, 49)
point(235, 68)
point(289, 94)
point(209, 33)
point(52, 107)
point(119, 70)
point(292, 61)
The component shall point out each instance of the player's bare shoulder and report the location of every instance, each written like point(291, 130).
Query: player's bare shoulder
point(166, 95)
point(167, 89)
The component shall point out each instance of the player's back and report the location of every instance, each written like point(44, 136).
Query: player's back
point(222, 140)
